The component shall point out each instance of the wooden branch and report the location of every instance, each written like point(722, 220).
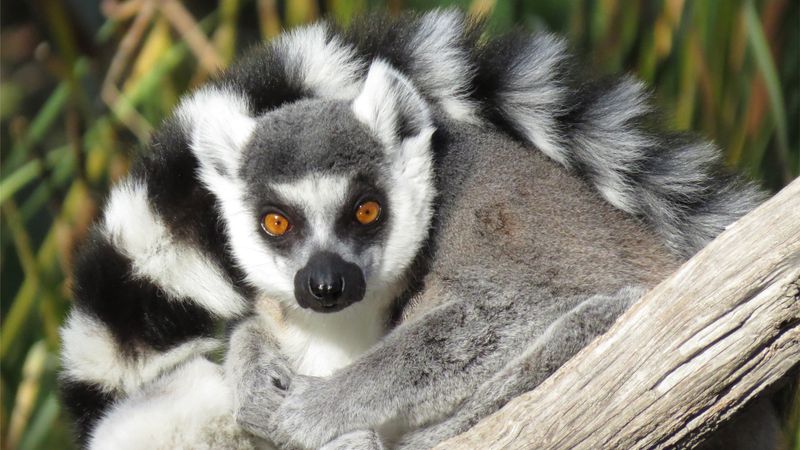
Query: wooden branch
point(685, 357)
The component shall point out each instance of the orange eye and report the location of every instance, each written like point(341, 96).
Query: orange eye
point(275, 224)
point(368, 212)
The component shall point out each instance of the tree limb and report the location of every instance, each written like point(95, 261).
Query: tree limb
point(684, 358)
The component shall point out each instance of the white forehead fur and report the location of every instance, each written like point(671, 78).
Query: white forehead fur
point(320, 197)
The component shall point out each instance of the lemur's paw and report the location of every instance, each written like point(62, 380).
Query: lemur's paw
point(309, 416)
point(259, 373)
point(260, 391)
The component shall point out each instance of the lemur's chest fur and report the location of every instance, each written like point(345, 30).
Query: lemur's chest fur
point(319, 344)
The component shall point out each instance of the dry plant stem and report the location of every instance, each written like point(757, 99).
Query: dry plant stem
point(126, 113)
point(27, 393)
point(128, 44)
point(684, 358)
point(189, 29)
point(269, 19)
point(121, 11)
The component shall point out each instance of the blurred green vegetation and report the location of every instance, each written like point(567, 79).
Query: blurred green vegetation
point(84, 83)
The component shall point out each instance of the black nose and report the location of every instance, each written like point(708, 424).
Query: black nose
point(328, 283)
point(326, 286)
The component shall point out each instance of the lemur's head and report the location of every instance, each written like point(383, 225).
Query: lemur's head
point(326, 202)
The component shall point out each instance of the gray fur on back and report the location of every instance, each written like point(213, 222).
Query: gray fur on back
point(608, 132)
point(519, 211)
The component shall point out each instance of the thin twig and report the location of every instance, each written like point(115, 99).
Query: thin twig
point(189, 30)
point(121, 11)
point(127, 45)
point(269, 19)
point(109, 92)
point(126, 113)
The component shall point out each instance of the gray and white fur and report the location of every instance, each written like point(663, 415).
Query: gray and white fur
point(523, 209)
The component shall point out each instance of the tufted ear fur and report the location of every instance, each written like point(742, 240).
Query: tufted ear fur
point(218, 125)
point(395, 112)
point(391, 107)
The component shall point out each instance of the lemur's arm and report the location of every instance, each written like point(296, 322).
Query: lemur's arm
point(424, 370)
point(560, 342)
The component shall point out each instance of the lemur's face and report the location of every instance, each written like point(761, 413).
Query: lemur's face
point(327, 203)
point(320, 201)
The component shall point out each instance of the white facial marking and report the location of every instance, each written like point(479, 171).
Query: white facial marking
point(320, 198)
point(263, 268)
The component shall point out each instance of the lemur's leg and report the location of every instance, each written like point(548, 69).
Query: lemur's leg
point(562, 340)
point(423, 370)
point(260, 376)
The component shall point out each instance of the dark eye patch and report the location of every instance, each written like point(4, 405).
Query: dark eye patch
point(348, 229)
point(265, 200)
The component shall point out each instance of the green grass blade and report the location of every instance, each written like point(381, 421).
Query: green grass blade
point(39, 126)
point(27, 173)
point(765, 63)
point(27, 393)
point(41, 423)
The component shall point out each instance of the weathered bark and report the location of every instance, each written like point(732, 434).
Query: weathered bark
point(689, 354)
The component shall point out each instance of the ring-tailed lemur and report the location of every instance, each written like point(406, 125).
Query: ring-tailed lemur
point(376, 196)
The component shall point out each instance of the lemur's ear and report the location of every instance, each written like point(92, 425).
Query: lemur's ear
point(219, 124)
point(391, 106)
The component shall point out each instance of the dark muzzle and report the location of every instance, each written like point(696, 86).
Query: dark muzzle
point(328, 283)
